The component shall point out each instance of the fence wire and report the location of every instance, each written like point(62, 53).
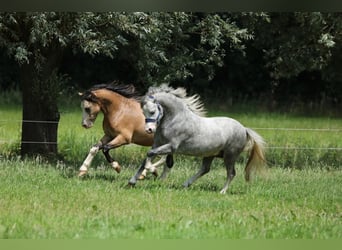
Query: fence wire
point(303, 129)
point(267, 147)
point(2, 141)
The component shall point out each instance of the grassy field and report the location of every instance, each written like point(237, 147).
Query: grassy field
point(38, 200)
point(299, 196)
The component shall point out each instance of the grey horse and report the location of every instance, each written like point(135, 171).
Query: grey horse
point(180, 127)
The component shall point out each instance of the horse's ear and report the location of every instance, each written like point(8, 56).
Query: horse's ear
point(90, 96)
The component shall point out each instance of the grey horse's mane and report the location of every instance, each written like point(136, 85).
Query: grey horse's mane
point(193, 102)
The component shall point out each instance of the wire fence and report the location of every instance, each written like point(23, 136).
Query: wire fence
point(267, 147)
point(303, 129)
point(335, 130)
point(28, 121)
point(256, 128)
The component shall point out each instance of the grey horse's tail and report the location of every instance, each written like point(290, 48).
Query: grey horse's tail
point(257, 152)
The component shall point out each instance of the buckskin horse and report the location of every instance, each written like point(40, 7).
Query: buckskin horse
point(123, 122)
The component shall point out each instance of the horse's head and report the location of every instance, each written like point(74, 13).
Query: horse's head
point(90, 108)
point(153, 113)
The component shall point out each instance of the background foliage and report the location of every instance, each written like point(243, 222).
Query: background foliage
point(275, 61)
point(273, 57)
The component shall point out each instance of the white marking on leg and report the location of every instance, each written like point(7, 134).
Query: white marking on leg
point(224, 190)
point(160, 161)
point(84, 168)
point(152, 167)
point(116, 166)
point(155, 165)
point(89, 158)
point(148, 165)
point(143, 174)
point(228, 181)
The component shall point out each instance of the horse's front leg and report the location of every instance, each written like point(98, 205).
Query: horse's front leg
point(92, 152)
point(86, 164)
point(153, 167)
point(167, 166)
point(134, 178)
point(147, 163)
point(163, 150)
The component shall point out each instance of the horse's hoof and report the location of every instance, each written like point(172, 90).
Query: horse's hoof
point(118, 169)
point(141, 177)
point(130, 185)
point(82, 173)
point(116, 166)
point(155, 174)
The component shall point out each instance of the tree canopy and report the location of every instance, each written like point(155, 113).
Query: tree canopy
point(270, 54)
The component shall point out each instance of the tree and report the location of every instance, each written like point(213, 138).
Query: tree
point(30, 40)
point(161, 46)
point(297, 45)
point(37, 42)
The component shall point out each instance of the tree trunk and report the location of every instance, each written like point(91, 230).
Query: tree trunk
point(40, 111)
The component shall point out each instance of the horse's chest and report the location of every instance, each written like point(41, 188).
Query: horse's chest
point(109, 130)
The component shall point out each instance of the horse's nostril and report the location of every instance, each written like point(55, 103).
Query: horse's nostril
point(85, 125)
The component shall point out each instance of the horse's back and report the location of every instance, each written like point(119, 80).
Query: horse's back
point(232, 131)
point(227, 126)
point(208, 136)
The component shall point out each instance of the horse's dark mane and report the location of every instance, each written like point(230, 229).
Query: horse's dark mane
point(126, 90)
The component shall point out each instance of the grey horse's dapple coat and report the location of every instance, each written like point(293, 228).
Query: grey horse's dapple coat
point(180, 128)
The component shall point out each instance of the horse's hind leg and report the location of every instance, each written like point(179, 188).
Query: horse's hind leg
point(206, 162)
point(118, 141)
point(111, 161)
point(230, 167)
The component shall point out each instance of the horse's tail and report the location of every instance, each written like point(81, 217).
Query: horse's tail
point(257, 152)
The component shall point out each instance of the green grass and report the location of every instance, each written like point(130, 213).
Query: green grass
point(298, 197)
point(43, 201)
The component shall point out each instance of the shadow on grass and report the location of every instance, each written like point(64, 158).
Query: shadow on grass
point(172, 185)
point(104, 175)
point(152, 183)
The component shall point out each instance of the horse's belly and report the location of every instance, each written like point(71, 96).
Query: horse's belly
point(200, 149)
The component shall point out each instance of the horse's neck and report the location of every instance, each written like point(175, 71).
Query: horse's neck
point(172, 106)
point(111, 102)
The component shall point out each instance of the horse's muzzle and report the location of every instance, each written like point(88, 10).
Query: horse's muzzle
point(150, 128)
point(149, 131)
point(87, 125)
